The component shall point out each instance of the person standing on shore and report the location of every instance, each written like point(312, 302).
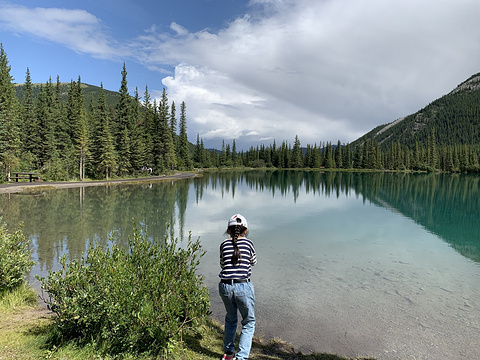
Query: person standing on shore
point(237, 256)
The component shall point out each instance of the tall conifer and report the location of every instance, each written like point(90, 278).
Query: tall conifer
point(106, 154)
point(297, 157)
point(149, 125)
point(338, 155)
point(9, 117)
point(235, 158)
point(173, 124)
point(183, 147)
point(432, 150)
point(138, 149)
point(167, 154)
point(197, 153)
point(30, 126)
point(46, 113)
point(77, 119)
point(63, 140)
point(124, 124)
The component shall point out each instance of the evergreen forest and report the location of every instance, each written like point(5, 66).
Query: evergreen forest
point(69, 131)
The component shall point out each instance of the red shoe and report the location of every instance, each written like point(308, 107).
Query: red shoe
point(227, 357)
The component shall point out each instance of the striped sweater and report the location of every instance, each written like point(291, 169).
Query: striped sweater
point(243, 269)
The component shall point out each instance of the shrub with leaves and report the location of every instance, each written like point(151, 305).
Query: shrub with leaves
point(15, 258)
point(131, 300)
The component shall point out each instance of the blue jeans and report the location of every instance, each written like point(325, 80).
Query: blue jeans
point(241, 297)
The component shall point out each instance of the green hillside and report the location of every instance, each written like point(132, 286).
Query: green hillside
point(89, 91)
point(455, 118)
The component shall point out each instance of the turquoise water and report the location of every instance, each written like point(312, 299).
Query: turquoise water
point(382, 264)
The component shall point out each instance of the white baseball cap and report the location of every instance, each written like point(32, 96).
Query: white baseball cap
point(238, 219)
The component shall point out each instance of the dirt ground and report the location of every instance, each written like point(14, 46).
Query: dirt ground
point(16, 187)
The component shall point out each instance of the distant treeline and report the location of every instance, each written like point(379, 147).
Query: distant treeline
point(366, 155)
point(68, 137)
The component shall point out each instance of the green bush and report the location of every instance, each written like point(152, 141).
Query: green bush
point(259, 163)
point(15, 258)
point(131, 300)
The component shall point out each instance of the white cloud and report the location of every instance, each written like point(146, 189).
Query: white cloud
point(325, 70)
point(180, 30)
point(77, 30)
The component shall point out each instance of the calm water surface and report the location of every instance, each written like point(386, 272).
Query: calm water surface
point(386, 265)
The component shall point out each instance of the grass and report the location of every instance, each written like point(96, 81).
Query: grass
point(20, 318)
point(25, 329)
point(23, 297)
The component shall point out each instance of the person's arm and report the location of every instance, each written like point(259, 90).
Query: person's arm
point(253, 256)
point(222, 260)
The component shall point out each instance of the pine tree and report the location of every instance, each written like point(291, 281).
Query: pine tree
point(275, 159)
point(173, 125)
point(30, 126)
point(123, 107)
point(165, 155)
point(297, 160)
point(329, 156)
point(64, 142)
point(338, 155)
point(308, 156)
point(367, 155)
point(286, 155)
point(124, 152)
point(372, 158)
point(235, 158)
point(108, 158)
point(9, 117)
point(45, 115)
point(183, 150)
point(78, 121)
point(449, 163)
point(124, 125)
point(157, 147)
point(204, 158)
point(464, 158)
point(106, 154)
point(228, 153)
point(348, 163)
point(432, 150)
point(81, 138)
point(223, 155)
point(416, 156)
point(197, 154)
point(82, 146)
point(149, 126)
point(138, 150)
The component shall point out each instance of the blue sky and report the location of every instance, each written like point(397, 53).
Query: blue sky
point(255, 70)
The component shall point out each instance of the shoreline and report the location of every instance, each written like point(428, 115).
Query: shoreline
point(18, 187)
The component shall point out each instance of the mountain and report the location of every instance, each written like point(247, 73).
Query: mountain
point(454, 117)
point(89, 92)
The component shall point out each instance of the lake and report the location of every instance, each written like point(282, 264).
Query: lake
point(357, 264)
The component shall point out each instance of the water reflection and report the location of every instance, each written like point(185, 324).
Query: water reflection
point(345, 264)
point(445, 204)
point(349, 263)
point(67, 221)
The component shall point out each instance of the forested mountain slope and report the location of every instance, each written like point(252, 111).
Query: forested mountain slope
point(455, 119)
point(89, 92)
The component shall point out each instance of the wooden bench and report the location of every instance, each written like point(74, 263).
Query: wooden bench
point(31, 176)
